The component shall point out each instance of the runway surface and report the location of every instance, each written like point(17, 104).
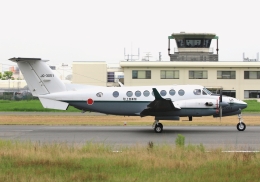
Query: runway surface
point(226, 137)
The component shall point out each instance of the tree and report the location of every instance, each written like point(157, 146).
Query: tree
point(7, 75)
point(1, 76)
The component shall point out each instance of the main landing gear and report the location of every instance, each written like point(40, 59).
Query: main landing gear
point(240, 126)
point(157, 126)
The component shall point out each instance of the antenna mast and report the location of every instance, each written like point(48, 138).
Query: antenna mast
point(132, 57)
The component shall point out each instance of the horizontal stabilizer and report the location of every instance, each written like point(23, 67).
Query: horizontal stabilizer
point(53, 104)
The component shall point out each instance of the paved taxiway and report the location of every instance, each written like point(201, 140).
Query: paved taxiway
point(226, 137)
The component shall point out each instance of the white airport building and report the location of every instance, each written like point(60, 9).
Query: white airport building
point(193, 61)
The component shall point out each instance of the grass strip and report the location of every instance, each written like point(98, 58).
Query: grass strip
point(35, 105)
point(29, 106)
point(252, 106)
point(27, 161)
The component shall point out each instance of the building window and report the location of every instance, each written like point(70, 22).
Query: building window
point(230, 93)
point(110, 76)
point(251, 74)
point(226, 74)
point(198, 74)
point(251, 94)
point(141, 74)
point(169, 74)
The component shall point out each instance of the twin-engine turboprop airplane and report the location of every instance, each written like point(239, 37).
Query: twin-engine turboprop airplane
point(163, 102)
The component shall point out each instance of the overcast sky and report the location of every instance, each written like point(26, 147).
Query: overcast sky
point(63, 31)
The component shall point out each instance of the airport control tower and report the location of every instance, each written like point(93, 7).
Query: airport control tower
point(193, 47)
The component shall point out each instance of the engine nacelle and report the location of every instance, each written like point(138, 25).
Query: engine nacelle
point(228, 114)
point(209, 104)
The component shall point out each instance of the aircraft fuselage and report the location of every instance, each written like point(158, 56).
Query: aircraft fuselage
point(131, 101)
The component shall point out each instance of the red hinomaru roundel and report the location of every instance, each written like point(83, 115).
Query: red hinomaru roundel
point(90, 101)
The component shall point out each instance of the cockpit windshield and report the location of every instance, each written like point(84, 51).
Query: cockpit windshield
point(207, 91)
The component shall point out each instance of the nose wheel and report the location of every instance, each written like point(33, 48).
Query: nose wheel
point(157, 126)
point(241, 126)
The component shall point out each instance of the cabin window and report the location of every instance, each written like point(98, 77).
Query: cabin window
point(181, 92)
point(198, 74)
point(138, 93)
point(197, 92)
point(169, 74)
point(115, 93)
point(251, 74)
point(172, 92)
point(163, 92)
point(141, 74)
point(146, 93)
point(226, 74)
point(129, 94)
point(99, 94)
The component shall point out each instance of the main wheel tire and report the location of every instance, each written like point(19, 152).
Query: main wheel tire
point(241, 126)
point(158, 128)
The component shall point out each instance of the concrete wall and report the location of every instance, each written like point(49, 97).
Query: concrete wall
point(89, 73)
point(239, 84)
point(12, 84)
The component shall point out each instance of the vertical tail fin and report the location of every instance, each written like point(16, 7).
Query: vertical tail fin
point(39, 76)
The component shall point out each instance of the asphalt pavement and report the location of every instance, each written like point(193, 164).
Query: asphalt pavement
point(225, 137)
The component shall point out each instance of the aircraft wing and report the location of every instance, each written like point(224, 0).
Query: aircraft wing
point(159, 105)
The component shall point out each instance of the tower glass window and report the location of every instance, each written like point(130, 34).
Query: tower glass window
point(193, 43)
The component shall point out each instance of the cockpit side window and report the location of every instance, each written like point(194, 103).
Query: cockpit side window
point(207, 91)
point(204, 93)
point(197, 92)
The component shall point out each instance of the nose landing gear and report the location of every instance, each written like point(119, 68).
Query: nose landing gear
point(240, 126)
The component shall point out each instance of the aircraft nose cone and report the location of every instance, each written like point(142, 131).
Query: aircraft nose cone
point(243, 105)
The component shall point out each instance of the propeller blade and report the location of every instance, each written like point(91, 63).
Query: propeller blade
point(220, 96)
point(220, 105)
point(220, 112)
